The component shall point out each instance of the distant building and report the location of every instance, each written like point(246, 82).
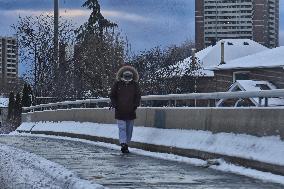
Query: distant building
point(210, 57)
point(8, 61)
point(243, 19)
point(263, 66)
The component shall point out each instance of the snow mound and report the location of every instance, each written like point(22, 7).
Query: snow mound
point(20, 169)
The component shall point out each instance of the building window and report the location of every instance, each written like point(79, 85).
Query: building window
point(241, 75)
point(263, 86)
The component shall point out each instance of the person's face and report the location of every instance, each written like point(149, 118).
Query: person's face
point(127, 77)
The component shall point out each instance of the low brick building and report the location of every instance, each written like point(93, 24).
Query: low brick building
point(211, 57)
point(260, 71)
point(265, 66)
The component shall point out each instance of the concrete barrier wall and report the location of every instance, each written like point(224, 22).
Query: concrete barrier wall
point(253, 121)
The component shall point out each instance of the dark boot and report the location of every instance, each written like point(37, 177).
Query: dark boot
point(124, 148)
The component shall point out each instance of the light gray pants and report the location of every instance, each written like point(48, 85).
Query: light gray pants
point(125, 130)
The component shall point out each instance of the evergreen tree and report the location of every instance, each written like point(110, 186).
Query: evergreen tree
point(11, 106)
point(27, 94)
point(18, 106)
point(99, 51)
point(96, 22)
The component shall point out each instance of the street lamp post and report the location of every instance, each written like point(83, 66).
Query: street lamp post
point(56, 15)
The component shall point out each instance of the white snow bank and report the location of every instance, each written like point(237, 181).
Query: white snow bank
point(237, 145)
point(266, 176)
point(20, 169)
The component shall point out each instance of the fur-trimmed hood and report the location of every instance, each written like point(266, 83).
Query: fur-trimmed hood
point(127, 68)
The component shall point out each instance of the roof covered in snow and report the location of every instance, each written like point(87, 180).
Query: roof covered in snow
point(252, 85)
point(4, 102)
point(234, 49)
point(266, 59)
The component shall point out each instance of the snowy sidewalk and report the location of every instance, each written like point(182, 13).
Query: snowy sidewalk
point(242, 148)
point(20, 169)
point(107, 166)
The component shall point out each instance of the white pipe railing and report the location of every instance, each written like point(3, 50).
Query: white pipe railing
point(174, 97)
point(219, 95)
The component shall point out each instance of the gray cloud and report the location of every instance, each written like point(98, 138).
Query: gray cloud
point(147, 23)
point(172, 21)
point(37, 4)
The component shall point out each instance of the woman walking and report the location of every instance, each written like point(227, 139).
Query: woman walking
point(125, 98)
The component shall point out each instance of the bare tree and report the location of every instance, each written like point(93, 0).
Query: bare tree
point(35, 40)
point(160, 71)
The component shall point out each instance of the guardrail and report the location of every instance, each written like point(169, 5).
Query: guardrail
point(265, 94)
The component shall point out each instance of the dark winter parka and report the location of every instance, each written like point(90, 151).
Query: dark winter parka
point(125, 97)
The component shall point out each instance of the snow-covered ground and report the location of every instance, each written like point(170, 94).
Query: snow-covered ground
point(20, 169)
point(264, 149)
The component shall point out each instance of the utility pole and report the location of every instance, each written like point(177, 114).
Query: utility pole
point(56, 48)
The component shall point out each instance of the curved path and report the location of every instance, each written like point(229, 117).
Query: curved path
point(109, 168)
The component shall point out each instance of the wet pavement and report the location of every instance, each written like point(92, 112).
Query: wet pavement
point(109, 168)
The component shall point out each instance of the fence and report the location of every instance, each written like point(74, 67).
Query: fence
point(171, 99)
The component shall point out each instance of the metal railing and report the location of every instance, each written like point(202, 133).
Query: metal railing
point(265, 94)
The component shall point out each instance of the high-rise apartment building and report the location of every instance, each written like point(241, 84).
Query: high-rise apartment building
point(229, 19)
point(8, 60)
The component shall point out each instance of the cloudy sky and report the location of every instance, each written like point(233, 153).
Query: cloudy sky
point(146, 23)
